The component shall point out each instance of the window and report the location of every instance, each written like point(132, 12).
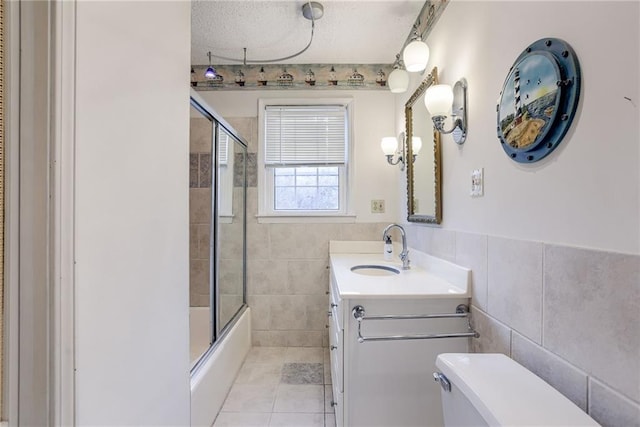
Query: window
point(305, 152)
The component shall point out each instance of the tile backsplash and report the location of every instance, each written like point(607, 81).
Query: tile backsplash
point(570, 315)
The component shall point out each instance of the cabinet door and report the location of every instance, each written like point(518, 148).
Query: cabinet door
point(336, 304)
point(336, 353)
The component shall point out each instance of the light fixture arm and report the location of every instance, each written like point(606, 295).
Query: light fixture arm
point(398, 64)
point(310, 15)
point(399, 159)
point(438, 122)
point(415, 35)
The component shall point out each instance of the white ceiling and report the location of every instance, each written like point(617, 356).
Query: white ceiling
point(350, 32)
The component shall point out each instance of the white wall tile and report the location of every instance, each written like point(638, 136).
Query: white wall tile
point(562, 376)
point(515, 285)
point(258, 241)
point(308, 277)
point(610, 408)
point(301, 241)
point(494, 336)
point(592, 313)
point(443, 244)
point(267, 277)
point(471, 252)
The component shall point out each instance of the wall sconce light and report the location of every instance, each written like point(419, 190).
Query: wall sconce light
point(389, 146)
point(416, 53)
point(416, 146)
point(442, 101)
point(399, 78)
point(210, 73)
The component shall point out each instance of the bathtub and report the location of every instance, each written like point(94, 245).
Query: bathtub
point(199, 326)
point(213, 376)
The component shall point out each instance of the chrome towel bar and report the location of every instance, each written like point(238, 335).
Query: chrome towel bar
point(461, 311)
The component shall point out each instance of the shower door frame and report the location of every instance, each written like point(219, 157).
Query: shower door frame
point(218, 331)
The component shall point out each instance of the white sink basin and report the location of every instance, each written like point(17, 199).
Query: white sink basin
point(374, 270)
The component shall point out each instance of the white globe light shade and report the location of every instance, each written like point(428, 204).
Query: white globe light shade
point(416, 56)
point(416, 145)
point(398, 81)
point(389, 145)
point(438, 100)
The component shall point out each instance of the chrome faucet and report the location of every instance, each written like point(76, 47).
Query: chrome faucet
point(404, 255)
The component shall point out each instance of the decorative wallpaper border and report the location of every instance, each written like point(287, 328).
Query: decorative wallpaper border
point(293, 76)
point(312, 76)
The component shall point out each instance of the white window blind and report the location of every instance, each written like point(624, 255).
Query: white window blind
point(223, 146)
point(305, 135)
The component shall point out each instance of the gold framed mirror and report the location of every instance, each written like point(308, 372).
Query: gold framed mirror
point(424, 176)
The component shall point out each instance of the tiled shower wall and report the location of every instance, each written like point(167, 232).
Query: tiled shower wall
point(199, 211)
point(230, 228)
point(570, 315)
point(287, 267)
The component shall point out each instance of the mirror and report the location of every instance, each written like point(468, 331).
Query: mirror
point(424, 177)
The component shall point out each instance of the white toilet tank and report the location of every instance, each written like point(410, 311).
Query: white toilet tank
point(494, 390)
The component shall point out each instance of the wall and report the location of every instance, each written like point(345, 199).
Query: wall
point(554, 245)
point(287, 276)
point(131, 209)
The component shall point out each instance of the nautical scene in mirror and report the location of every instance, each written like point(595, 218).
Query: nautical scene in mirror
point(529, 101)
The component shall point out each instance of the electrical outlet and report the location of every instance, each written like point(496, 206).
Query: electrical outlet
point(377, 206)
point(477, 183)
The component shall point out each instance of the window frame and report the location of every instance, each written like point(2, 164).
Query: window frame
point(266, 188)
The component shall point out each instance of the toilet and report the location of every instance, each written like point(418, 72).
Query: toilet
point(480, 389)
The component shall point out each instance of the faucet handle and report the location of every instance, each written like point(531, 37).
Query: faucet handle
point(406, 262)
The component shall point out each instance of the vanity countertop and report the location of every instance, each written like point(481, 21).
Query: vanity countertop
point(429, 277)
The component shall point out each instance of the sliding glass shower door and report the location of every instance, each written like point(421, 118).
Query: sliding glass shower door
point(217, 229)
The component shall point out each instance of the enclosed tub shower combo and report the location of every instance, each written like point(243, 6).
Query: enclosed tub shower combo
point(218, 313)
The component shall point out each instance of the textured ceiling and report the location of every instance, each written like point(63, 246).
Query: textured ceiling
point(350, 32)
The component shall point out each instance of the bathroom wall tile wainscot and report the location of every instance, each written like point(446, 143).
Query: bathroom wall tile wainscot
point(568, 314)
point(515, 285)
point(591, 294)
point(564, 377)
point(471, 251)
point(495, 337)
point(610, 408)
point(435, 241)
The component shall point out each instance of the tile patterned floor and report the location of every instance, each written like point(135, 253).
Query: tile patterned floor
point(281, 386)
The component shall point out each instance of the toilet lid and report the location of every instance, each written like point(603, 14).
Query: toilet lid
point(507, 394)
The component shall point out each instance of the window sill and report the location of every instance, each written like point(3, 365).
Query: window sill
point(305, 218)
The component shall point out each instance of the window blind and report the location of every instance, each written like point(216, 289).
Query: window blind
point(223, 146)
point(305, 135)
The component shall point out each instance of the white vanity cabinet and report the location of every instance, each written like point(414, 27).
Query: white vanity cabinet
point(388, 382)
point(336, 351)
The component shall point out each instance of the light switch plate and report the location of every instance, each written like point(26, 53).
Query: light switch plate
point(477, 183)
